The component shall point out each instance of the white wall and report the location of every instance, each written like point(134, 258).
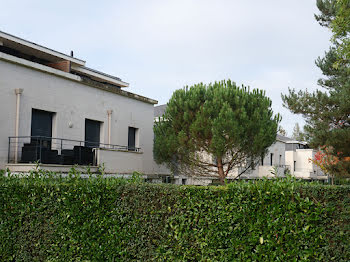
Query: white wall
point(72, 102)
point(7, 117)
point(120, 162)
point(198, 181)
point(278, 149)
point(304, 168)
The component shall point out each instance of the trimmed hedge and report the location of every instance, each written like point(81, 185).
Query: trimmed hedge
point(99, 219)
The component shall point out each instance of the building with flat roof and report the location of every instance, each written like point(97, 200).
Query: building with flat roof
point(60, 113)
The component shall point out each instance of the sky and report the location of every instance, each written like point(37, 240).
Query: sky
point(159, 46)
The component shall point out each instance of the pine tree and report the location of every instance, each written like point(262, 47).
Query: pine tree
point(209, 129)
point(341, 30)
point(297, 133)
point(327, 113)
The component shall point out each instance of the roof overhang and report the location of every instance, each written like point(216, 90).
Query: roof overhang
point(279, 140)
point(296, 142)
point(36, 50)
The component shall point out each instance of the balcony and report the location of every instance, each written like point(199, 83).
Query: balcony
point(58, 154)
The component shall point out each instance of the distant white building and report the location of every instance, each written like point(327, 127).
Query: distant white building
point(298, 158)
point(57, 111)
point(284, 156)
point(273, 164)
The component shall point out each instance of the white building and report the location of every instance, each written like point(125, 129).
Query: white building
point(57, 111)
point(284, 156)
point(273, 164)
point(298, 158)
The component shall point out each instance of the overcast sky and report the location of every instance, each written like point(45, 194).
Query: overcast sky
point(160, 46)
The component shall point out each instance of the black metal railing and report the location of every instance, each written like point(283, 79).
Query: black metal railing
point(283, 166)
point(50, 150)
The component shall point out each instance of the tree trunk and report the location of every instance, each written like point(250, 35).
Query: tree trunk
point(221, 171)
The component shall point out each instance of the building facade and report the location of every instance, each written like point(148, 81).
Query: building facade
point(298, 158)
point(56, 111)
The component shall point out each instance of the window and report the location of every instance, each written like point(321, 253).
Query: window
point(184, 181)
point(295, 164)
point(271, 159)
point(262, 160)
point(132, 139)
point(41, 128)
point(92, 133)
point(166, 179)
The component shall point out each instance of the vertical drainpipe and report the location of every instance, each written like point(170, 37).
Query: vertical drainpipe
point(109, 112)
point(18, 92)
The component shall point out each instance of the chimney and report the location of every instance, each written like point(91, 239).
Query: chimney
point(71, 53)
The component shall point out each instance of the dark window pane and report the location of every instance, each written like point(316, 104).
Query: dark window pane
point(41, 126)
point(271, 159)
point(131, 138)
point(92, 133)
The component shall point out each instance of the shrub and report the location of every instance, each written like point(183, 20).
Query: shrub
point(45, 217)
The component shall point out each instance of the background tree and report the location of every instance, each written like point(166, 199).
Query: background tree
point(327, 113)
point(341, 29)
point(209, 129)
point(330, 164)
point(297, 133)
point(281, 131)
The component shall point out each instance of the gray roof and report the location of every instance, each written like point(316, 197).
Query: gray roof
point(159, 110)
point(284, 138)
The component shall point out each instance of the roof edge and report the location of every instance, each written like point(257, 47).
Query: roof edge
point(115, 90)
point(41, 48)
point(100, 75)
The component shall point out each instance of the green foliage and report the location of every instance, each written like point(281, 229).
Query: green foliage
point(274, 171)
point(327, 113)
point(220, 121)
point(45, 217)
point(328, 11)
point(71, 218)
point(245, 222)
point(335, 201)
point(341, 181)
point(297, 133)
point(341, 31)
point(137, 178)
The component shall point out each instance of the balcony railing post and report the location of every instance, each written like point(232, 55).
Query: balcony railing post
point(80, 149)
point(8, 153)
point(40, 141)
